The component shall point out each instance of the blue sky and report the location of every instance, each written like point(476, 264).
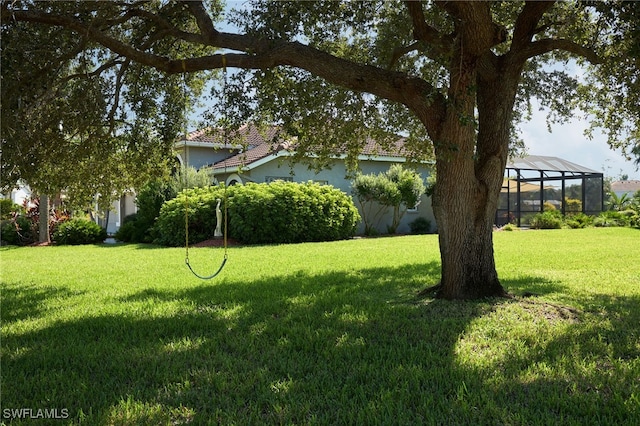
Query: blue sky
point(567, 141)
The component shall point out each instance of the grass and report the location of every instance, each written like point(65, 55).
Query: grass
point(324, 333)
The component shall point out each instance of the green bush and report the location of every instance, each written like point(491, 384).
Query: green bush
point(79, 231)
point(287, 212)
point(17, 231)
point(572, 205)
point(398, 188)
point(611, 218)
point(8, 208)
point(578, 221)
point(551, 219)
point(420, 226)
point(139, 227)
point(279, 212)
point(170, 226)
point(129, 231)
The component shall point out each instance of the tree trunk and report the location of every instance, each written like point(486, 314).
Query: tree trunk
point(470, 167)
point(464, 211)
point(43, 219)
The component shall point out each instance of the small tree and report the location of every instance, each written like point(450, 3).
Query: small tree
point(189, 177)
point(369, 191)
point(410, 186)
point(572, 205)
point(618, 203)
point(397, 188)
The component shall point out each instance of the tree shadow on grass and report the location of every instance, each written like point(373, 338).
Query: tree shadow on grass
point(29, 300)
point(532, 286)
point(331, 348)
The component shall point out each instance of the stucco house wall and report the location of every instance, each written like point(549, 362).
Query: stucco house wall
point(269, 165)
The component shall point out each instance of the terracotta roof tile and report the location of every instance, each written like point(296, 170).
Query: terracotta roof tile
point(626, 185)
point(262, 144)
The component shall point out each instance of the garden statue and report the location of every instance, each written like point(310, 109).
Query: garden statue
point(218, 232)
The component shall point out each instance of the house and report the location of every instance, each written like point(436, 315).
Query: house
point(629, 187)
point(251, 155)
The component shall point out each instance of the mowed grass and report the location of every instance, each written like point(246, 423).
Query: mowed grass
point(324, 333)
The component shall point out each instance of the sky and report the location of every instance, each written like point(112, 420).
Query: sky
point(568, 142)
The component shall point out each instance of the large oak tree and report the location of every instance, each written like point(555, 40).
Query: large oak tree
point(455, 76)
point(77, 120)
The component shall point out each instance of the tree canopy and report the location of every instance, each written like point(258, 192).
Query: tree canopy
point(76, 118)
point(453, 76)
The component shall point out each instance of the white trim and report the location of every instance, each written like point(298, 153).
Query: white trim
point(362, 157)
point(233, 176)
point(200, 144)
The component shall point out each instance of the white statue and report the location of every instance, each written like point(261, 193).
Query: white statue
point(218, 232)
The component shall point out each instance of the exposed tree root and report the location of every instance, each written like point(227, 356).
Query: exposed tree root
point(432, 291)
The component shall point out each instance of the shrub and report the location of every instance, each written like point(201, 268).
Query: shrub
point(551, 219)
point(187, 178)
point(578, 221)
point(420, 226)
point(572, 205)
point(17, 231)
point(79, 231)
point(398, 188)
point(138, 228)
point(128, 229)
point(287, 212)
point(9, 209)
point(611, 218)
point(279, 212)
point(170, 226)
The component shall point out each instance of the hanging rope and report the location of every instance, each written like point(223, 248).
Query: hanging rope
point(186, 197)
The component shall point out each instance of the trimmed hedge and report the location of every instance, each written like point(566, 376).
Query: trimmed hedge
point(79, 231)
point(279, 212)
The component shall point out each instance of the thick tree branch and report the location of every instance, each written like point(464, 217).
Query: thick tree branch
point(204, 21)
point(440, 44)
point(263, 54)
point(474, 24)
point(543, 46)
point(527, 23)
point(399, 52)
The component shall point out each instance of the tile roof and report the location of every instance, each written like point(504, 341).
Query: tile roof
point(396, 149)
point(261, 144)
point(249, 135)
point(626, 186)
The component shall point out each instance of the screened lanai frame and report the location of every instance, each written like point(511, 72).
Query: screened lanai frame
point(532, 181)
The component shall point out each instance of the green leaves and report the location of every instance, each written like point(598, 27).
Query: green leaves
point(79, 118)
point(397, 187)
point(279, 212)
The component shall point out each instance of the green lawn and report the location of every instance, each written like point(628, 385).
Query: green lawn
point(324, 333)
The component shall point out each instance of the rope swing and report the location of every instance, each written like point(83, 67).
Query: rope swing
point(186, 197)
